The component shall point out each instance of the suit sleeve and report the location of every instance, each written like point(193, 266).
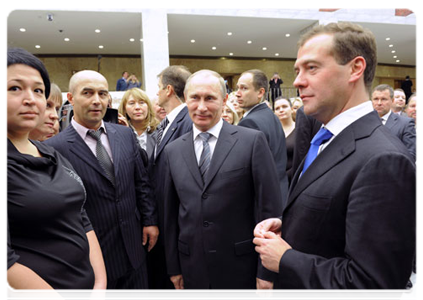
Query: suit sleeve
point(143, 188)
point(171, 227)
point(409, 137)
point(379, 239)
point(266, 186)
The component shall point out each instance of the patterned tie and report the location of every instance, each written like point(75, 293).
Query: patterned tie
point(322, 136)
point(160, 129)
point(102, 155)
point(205, 158)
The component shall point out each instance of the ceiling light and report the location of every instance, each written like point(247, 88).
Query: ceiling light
point(249, 42)
point(276, 54)
point(192, 41)
point(132, 40)
point(395, 56)
point(231, 54)
point(214, 48)
point(398, 60)
point(22, 29)
point(101, 46)
point(264, 48)
point(229, 33)
point(37, 46)
point(97, 30)
point(141, 40)
point(390, 46)
point(388, 38)
point(287, 35)
point(66, 39)
point(393, 51)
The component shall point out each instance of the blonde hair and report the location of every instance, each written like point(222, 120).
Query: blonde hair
point(234, 113)
point(56, 94)
point(151, 122)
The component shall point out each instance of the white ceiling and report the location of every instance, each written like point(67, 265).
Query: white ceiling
point(117, 28)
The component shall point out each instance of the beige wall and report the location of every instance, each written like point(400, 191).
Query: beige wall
point(61, 68)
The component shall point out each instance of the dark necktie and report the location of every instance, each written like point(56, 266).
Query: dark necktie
point(102, 155)
point(205, 157)
point(322, 136)
point(160, 130)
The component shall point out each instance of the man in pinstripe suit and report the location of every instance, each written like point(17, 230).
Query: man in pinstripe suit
point(121, 206)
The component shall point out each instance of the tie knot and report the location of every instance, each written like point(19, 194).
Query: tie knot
point(322, 136)
point(205, 136)
point(164, 123)
point(96, 134)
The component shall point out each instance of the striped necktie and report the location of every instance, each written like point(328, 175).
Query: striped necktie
point(160, 129)
point(205, 157)
point(102, 155)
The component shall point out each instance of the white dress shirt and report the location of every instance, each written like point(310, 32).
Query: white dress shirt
point(198, 142)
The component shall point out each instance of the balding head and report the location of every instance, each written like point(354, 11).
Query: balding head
point(88, 93)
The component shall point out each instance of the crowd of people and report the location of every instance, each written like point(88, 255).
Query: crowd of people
point(200, 189)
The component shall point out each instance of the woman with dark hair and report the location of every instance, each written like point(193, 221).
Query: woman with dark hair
point(50, 242)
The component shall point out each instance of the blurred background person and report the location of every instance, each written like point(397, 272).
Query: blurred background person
point(121, 84)
point(159, 111)
point(138, 110)
point(49, 125)
point(234, 101)
point(296, 104)
point(398, 105)
point(275, 88)
point(283, 110)
point(51, 242)
point(133, 82)
point(406, 87)
point(411, 108)
point(229, 114)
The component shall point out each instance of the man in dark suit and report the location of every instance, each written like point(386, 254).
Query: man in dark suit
point(171, 97)
point(251, 91)
point(121, 84)
point(216, 190)
point(350, 222)
point(119, 200)
point(401, 127)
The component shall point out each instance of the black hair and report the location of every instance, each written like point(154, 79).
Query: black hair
point(21, 56)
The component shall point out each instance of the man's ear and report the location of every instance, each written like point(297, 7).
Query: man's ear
point(169, 90)
point(262, 93)
point(358, 66)
point(70, 98)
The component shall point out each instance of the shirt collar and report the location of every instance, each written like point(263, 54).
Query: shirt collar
point(386, 116)
point(82, 130)
point(214, 131)
point(252, 108)
point(346, 118)
point(172, 115)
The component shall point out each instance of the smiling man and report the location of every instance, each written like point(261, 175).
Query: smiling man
point(220, 180)
point(350, 221)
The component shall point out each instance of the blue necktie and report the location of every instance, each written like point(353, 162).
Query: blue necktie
point(322, 136)
point(205, 155)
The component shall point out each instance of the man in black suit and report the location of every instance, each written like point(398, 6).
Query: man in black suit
point(119, 203)
point(251, 92)
point(220, 181)
point(350, 221)
point(401, 127)
point(121, 84)
point(171, 97)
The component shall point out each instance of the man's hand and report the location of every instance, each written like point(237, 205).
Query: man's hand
point(150, 233)
point(264, 284)
point(122, 120)
point(273, 225)
point(271, 248)
point(177, 281)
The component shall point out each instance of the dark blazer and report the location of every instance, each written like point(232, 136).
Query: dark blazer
point(306, 127)
point(350, 218)
point(263, 119)
point(181, 125)
point(209, 227)
point(404, 129)
point(119, 212)
point(121, 84)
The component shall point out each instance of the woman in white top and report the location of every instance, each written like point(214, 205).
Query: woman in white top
point(139, 112)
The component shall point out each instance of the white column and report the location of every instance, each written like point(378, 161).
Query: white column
point(155, 47)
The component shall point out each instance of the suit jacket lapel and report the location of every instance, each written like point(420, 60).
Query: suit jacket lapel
point(190, 159)
point(393, 118)
point(226, 141)
point(341, 147)
point(78, 147)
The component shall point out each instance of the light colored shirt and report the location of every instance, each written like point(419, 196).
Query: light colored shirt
point(90, 141)
point(142, 139)
point(198, 142)
point(172, 116)
point(247, 112)
point(384, 118)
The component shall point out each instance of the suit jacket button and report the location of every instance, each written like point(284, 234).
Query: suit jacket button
point(206, 224)
point(204, 196)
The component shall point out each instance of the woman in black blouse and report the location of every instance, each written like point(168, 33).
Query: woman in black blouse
point(50, 242)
